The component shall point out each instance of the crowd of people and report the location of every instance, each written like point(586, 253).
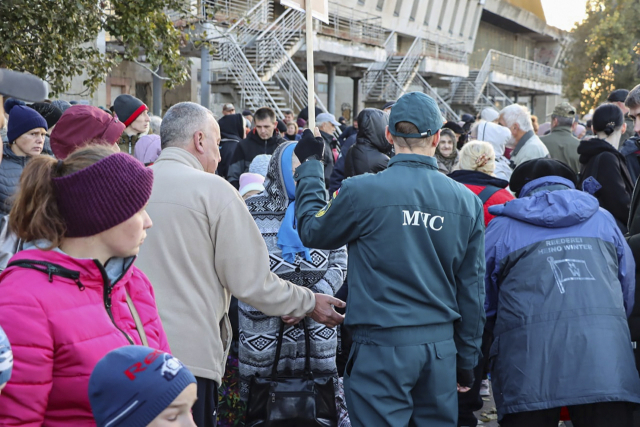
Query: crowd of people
point(246, 270)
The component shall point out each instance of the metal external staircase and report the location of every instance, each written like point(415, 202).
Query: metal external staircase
point(391, 79)
point(256, 56)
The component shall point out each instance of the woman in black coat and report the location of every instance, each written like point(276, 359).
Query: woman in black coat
point(603, 170)
point(232, 131)
point(370, 153)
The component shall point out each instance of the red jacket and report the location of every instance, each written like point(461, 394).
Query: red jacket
point(59, 327)
point(478, 181)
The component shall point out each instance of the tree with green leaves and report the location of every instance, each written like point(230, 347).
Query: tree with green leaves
point(604, 55)
point(57, 39)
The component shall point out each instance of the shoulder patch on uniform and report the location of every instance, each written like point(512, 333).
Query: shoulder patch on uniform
point(324, 210)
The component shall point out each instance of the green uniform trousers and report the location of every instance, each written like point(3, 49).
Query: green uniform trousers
point(392, 381)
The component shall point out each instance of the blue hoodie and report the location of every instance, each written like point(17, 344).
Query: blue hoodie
point(559, 279)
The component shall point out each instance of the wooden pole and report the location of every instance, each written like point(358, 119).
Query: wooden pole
point(310, 69)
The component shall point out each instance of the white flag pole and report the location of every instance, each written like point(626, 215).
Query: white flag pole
point(310, 69)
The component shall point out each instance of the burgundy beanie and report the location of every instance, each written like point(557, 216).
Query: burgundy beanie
point(80, 124)
point(103, 195)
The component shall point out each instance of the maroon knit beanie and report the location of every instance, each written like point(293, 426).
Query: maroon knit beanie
point(81, 124)
point(103, 195)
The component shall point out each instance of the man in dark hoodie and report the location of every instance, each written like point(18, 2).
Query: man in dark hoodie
point(261, 140)
point(370, 154)
point(232, 131)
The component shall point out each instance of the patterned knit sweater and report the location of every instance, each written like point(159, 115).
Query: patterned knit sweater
point(325, 274)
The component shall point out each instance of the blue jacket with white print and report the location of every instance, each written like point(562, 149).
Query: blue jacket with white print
point(416, 248)
point(560, 282)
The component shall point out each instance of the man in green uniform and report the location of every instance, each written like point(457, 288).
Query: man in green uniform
point(416, 272)
point(561, 143)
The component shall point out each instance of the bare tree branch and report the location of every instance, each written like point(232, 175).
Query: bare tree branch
point(155, 73)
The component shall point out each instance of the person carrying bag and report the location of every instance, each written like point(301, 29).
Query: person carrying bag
point(290, 400)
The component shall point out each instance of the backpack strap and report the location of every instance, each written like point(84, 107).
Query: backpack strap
point(487, 192)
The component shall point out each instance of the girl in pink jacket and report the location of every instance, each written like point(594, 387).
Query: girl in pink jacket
point(74, 295)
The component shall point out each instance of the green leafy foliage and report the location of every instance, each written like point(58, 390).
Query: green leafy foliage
point(56, 39)
point(604, 55)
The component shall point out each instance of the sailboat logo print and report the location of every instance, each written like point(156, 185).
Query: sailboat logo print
point(565, 270)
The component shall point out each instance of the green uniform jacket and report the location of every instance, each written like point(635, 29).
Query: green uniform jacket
point(127, 143)
point(416, 247)
point(563, 146)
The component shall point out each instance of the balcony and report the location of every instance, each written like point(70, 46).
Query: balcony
point(351, 24)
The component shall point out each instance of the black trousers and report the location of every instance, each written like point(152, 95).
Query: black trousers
point(605, 414)
point(205, 411)
point(471, 401)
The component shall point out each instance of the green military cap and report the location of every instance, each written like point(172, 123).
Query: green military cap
point(564, 109)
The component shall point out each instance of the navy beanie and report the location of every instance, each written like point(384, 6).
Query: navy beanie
point(22, 119)
point(132, 385)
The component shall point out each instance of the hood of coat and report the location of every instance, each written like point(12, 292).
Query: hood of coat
point(372, 124)
point(494, 134)
point(9, 155)
point(274, 198)
point(232, 127)
point(630, 146)
point(148, 148)
point(551, 202)
point(590, 148)
point(477, 178)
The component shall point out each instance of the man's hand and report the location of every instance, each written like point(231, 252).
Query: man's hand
point(309, 147)
point(324, 312)
point(289, 320)
point(465, 379)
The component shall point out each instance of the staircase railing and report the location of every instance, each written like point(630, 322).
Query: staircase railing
point(429, 90)
point(352, 24)
point(376, 70)
point(253, 92)
point(247, 29)
point(524, 68)
point(270, 52)
point(494, 88)
point(293, 82)
point(483, 77)
point(408, 67)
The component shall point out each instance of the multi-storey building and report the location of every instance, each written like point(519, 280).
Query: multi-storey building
point(468, 54)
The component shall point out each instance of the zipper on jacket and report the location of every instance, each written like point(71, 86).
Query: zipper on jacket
point(108, 287)
point(50, 270)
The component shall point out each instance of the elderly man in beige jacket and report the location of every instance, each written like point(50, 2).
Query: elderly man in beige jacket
point(204, 247)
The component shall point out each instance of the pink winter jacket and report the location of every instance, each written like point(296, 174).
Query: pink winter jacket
point(59, 327)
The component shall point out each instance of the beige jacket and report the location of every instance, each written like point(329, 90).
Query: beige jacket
point(204, 246)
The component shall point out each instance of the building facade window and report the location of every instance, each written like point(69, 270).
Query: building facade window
point(396, 11)
point(380, 5)
point(414, 10)
point(361, 2)
point(443, 10)
point(427, 16)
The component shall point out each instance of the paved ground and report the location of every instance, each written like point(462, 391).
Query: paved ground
point(488, 414)
point(489, 417)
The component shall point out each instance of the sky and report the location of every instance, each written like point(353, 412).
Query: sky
point(564, 13)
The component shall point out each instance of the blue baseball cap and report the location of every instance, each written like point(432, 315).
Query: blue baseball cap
point(418, 109)
point(132, 385)
point(6, 358)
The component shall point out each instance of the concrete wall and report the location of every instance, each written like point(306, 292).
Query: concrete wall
point(421, 17)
